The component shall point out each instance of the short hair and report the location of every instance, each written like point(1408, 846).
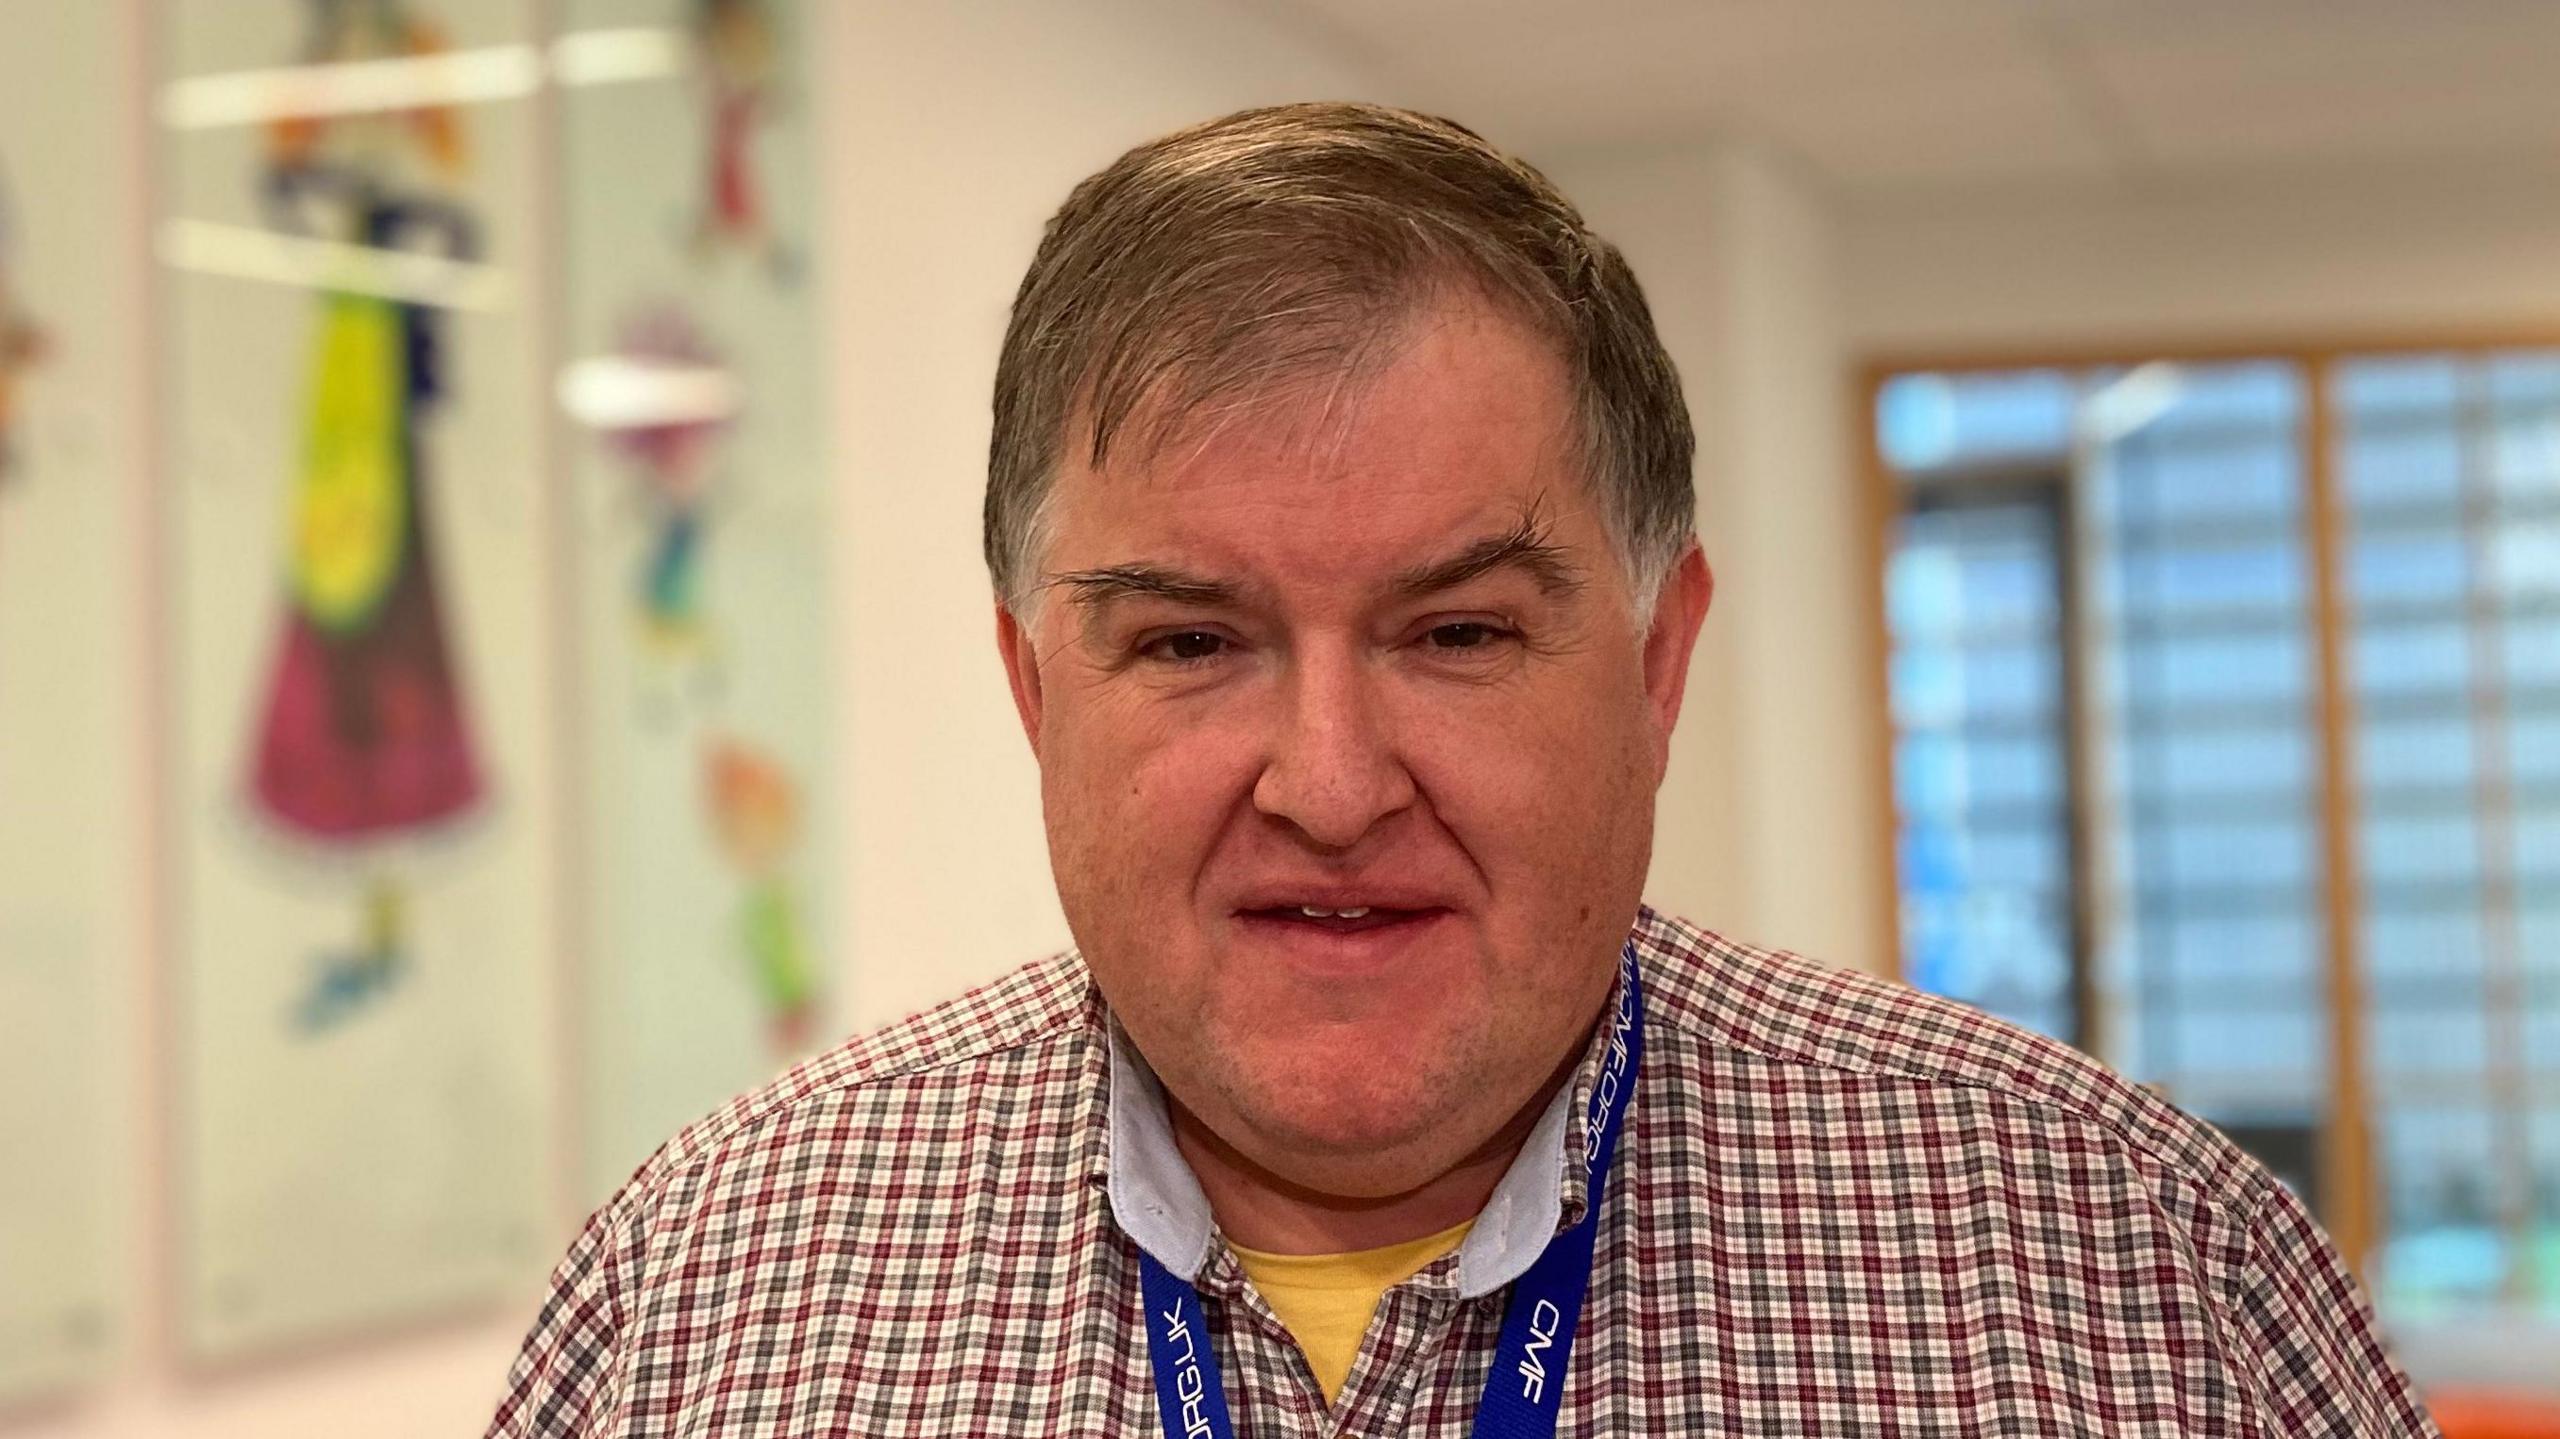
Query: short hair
point(1281, 243)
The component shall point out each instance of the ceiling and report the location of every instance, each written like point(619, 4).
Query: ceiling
point(1898, 95)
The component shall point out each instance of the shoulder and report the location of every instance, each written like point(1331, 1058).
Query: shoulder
point(1765, 1011)
point(1838, 1088)
point(736, 1208)
point(1033, 1026)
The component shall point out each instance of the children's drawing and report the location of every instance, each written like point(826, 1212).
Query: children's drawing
point(739, 48)
point(673, 459)
point(22, 340)
point(365, 736)
point(754, 815)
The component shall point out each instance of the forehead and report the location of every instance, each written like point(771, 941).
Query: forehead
point(1467, 425)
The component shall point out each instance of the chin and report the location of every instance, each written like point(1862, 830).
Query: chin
point(1345, 1165)
point(1357, 1130)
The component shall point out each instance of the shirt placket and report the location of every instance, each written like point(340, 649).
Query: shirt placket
point(1270, 1389)
point(1405, 1344)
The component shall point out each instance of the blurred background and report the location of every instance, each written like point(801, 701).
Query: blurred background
point(494, 657)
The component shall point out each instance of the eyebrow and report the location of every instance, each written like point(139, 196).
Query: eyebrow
point(1525, 546)
point(1094, 589)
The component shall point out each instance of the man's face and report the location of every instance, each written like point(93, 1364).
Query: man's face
point(1365, 650)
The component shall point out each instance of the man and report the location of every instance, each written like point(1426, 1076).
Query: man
point(1339, 520)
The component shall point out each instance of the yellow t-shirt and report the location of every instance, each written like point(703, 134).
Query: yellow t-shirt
point(1327, 1299)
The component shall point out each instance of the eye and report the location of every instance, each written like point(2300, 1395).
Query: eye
point(1185, 647)
point(1466, 635)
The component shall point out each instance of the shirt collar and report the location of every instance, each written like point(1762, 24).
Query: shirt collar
point(1158, 1201)
point(1153, 1192)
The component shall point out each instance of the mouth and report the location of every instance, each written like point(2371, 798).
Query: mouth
point(1329, 919)
point(1358, 944)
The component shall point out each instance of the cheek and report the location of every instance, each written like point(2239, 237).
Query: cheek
point(1530, 786)
point(1137, 791)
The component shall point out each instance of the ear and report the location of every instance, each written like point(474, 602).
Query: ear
point(1672, 638)
point(1021, 670)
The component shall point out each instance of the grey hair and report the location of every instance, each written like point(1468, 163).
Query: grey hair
point(1218, 262)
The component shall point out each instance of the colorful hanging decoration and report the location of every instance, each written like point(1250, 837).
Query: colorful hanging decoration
point(739, 48)
point(753, 810)
point(673, 458)
point(365, 738)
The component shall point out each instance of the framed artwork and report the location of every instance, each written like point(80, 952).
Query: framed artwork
point(365, 915)
point(696, 443)
point(74, 877)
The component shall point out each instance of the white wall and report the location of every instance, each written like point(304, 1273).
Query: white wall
point(962, 127)
point(1770, 827)
point(2312, 257)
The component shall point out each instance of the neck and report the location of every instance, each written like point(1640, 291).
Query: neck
point(1262, 1210)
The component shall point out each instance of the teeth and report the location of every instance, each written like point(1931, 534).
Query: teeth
point(1313, 912)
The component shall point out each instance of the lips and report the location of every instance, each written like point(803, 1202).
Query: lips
point(1337, 921)
point(1353, 920)
point(1293, 898)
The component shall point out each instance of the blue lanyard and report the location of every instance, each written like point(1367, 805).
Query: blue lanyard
point(1526, 1387)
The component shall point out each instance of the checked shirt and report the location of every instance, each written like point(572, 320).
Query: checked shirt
point(1839, 1208)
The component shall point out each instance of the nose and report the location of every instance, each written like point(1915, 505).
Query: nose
point(1333, 770)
